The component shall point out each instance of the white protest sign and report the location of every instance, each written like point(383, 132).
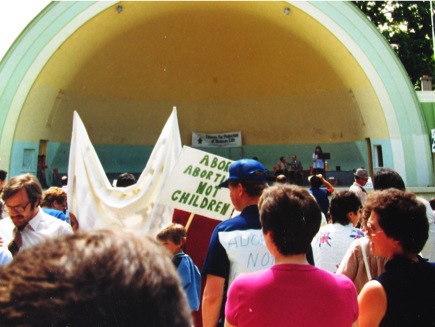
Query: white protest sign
point(229, 139)
point(193, 185)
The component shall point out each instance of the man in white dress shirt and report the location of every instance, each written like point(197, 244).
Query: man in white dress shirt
point(27, 224)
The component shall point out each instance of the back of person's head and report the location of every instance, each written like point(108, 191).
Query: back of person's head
point(173, 232)
point(386, 178)
point(3, 174)
point(281, 179)
point(315, 182)
point(252, 188)
point(64, 180)
point(125, 179)
point(250, 173)
point(342, 203)
point(432, 203)
point(401, 216)
point(292, 215)
point(27, 182)
point(93, 278)
point(52, 195)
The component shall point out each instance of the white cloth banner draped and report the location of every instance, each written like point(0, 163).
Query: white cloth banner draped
point(97, 204)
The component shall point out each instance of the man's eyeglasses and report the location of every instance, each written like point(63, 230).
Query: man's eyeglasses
point(18, 209)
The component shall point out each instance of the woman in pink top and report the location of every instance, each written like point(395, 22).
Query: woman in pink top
point(292, 292)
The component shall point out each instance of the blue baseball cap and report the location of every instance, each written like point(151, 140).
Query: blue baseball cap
point(246, 169)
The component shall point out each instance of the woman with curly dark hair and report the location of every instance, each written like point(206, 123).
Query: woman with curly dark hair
point(404, 294)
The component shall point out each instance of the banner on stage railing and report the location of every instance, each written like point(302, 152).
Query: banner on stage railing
point(229, 140)
point(193, 185)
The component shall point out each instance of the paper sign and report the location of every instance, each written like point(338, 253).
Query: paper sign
point(230, 139)
point(193, 185)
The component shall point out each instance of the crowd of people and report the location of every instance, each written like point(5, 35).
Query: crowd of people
point(289, 256)
point(363, 257)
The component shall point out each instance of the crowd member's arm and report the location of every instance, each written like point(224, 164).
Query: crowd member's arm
point(227, 324)
point(372, 303)
point(212, 300)
point(325, 183)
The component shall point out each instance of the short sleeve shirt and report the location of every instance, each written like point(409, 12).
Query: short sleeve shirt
point(237, 245)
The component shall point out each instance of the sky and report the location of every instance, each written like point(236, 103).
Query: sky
point(14, 17)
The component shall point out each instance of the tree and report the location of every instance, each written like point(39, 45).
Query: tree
point(407, 27)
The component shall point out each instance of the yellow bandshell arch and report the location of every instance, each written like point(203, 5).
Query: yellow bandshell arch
point(289, 75)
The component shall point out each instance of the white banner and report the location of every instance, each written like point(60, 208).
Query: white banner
point(97, 204)
point(229, 140)
point(193, 185)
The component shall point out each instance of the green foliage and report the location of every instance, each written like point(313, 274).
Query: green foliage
point(407, 27)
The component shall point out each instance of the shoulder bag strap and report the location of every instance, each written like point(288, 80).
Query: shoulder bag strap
point(366, 262)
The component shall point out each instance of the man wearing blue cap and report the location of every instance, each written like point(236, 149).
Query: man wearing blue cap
point(236, 245)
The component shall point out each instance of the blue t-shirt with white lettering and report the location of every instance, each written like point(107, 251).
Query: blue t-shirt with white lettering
point(237, 246)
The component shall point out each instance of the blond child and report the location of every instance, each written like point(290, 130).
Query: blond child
point(173, 239)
